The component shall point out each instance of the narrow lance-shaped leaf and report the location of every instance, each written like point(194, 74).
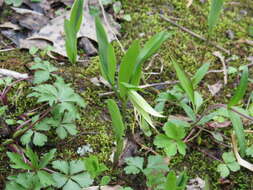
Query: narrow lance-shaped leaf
point(199, 75)
point(76, 16)
point(117, 123)
point(106, 53)
point(70, 41)
point(149, 49)
point(216, 7)
point(185, 82)
point(241, 89)
point(239, 131)
point(141, 102)
point(127, 66)
point(118, 126)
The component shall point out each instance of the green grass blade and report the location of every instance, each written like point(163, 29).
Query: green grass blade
point(184, 81)
point(76, 15)
point(241, 89)
point(149, 49)
point(70, 42)
point(199, 75)
point(216, 7)
point(127, 66)
point(239, 131)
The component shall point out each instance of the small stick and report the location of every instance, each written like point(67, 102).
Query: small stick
point(109, 26)
point(8, 49)
point(194, 34)
point(13, 74)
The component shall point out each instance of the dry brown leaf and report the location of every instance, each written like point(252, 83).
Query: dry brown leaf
point(10, 25)
point(222, 59)
point(54, 32)
point(215, 88)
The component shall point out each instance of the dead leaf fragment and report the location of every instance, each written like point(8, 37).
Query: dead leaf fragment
point(215, 88)
point(189, 3)
point(222, 59)
point(10, 25)
point(196, 184)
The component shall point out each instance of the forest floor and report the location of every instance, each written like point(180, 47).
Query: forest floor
point(190, 52)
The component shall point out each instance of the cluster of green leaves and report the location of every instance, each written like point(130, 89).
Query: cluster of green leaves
point(71, 28)
point(172, 140)
point(155, 173)
point(63, 102)
point(230, 164)
point(37, 178)
point(129, 76)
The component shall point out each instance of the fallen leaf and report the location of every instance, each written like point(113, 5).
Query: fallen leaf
point(54, 32)
point(10, 25)
point(215, 88)
point(222, 59)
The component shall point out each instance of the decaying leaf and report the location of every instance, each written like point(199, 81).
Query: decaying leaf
point(196, 184)
point(189, 3)
point(54, 33)
point(215, 88)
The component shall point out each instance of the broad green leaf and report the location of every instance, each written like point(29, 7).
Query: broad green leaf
point(223, 169)
point(46, 179)
point(134, 165)
point(157, 163)
point(171, 150)
point(249, 151)
point(185, 82)
point(83, 179)
point(241, 89)
point(216, 7)
point(117, 123)
point(60, 179)
point(18, 162)
point(149, 49)
point(141, 102)
point(75, 166)
point(76, 15)
point(198, 100)
point(182, 180)
point(71, 185)
point(239, 131)
point(173, 131)
point(41, 76)
point(171, 182)
point(105, 180)
point(162, 141)
point(47, 158)
point(199, 75)
point(61, 165)
point(181, 146)
point(228, 157)
point(127, 65)
point(234, 166)
point(39, 139)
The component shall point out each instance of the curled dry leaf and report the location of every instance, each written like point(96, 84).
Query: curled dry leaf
point(241, 161)
point(222, 59)
point(215, 88)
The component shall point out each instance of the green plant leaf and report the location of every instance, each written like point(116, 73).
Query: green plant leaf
point(106, 53)
point(76, 15)
point(185, 82)
point(249, 151)
point(241, 89)
point(46, 179)
point(70, 41)
point(18, 162)
point(149, 49)
point(141, 102)
point(216, 7)
point(47, 158)
point(239, 131)
point(127, 65)
point(117, 123)
point(199, 75)
point(223, 169)
point(134, 165)
point(173, 131)
point(171, 182)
